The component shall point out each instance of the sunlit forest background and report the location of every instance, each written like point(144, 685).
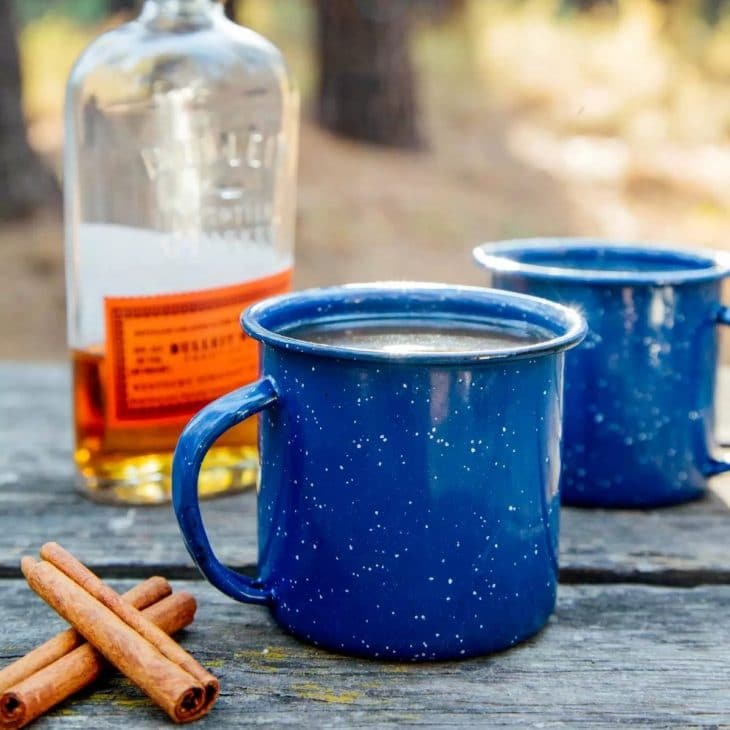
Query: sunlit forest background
point(532, 117)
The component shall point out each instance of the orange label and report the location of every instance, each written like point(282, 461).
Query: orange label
point(169, 355)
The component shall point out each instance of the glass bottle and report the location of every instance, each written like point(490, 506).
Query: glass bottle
point(180, 175)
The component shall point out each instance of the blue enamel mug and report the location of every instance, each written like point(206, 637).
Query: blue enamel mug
point(408, 505)
point(639, 391)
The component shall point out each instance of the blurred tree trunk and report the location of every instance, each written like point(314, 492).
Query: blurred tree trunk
point(367, 88)
point(439, 11)
point(712, 11)
point(584, 5)
point(25, 183)
point(122, 6)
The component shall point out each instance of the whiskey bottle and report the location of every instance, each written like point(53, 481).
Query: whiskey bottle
point(180, 175)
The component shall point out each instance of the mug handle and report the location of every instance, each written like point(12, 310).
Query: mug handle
point(197, 437)
point(719, 466)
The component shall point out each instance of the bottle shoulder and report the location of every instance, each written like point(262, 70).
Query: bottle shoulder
point(140, 60)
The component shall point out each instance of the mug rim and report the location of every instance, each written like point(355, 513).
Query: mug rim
point(567, 325)
point(501, 256)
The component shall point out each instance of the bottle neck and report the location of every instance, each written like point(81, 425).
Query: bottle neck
point(182, 10)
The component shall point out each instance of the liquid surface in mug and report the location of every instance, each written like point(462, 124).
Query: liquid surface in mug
point(419, 336)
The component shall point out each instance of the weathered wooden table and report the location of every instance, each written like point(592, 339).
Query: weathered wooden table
point(641, 635)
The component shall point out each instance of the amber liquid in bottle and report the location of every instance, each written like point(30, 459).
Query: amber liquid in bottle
point(136, 461)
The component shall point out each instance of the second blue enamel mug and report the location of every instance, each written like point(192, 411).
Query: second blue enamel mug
point(408, 506)
point(639, 391)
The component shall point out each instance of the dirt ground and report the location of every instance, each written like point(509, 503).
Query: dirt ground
point(364, 214)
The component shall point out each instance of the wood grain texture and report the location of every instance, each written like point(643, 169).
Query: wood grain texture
point(684, 545)
point(38, 500)
point(611, 656)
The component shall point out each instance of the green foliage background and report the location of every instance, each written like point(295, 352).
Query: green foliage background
point(80, 11)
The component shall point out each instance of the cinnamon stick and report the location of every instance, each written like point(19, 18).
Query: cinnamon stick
point(80, 574)
point(39, 692)
point(175, 690)
point(145, 594)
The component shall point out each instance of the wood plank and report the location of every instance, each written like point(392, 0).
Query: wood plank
point(38, 500)
point(611, 656)
point(682, 545)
